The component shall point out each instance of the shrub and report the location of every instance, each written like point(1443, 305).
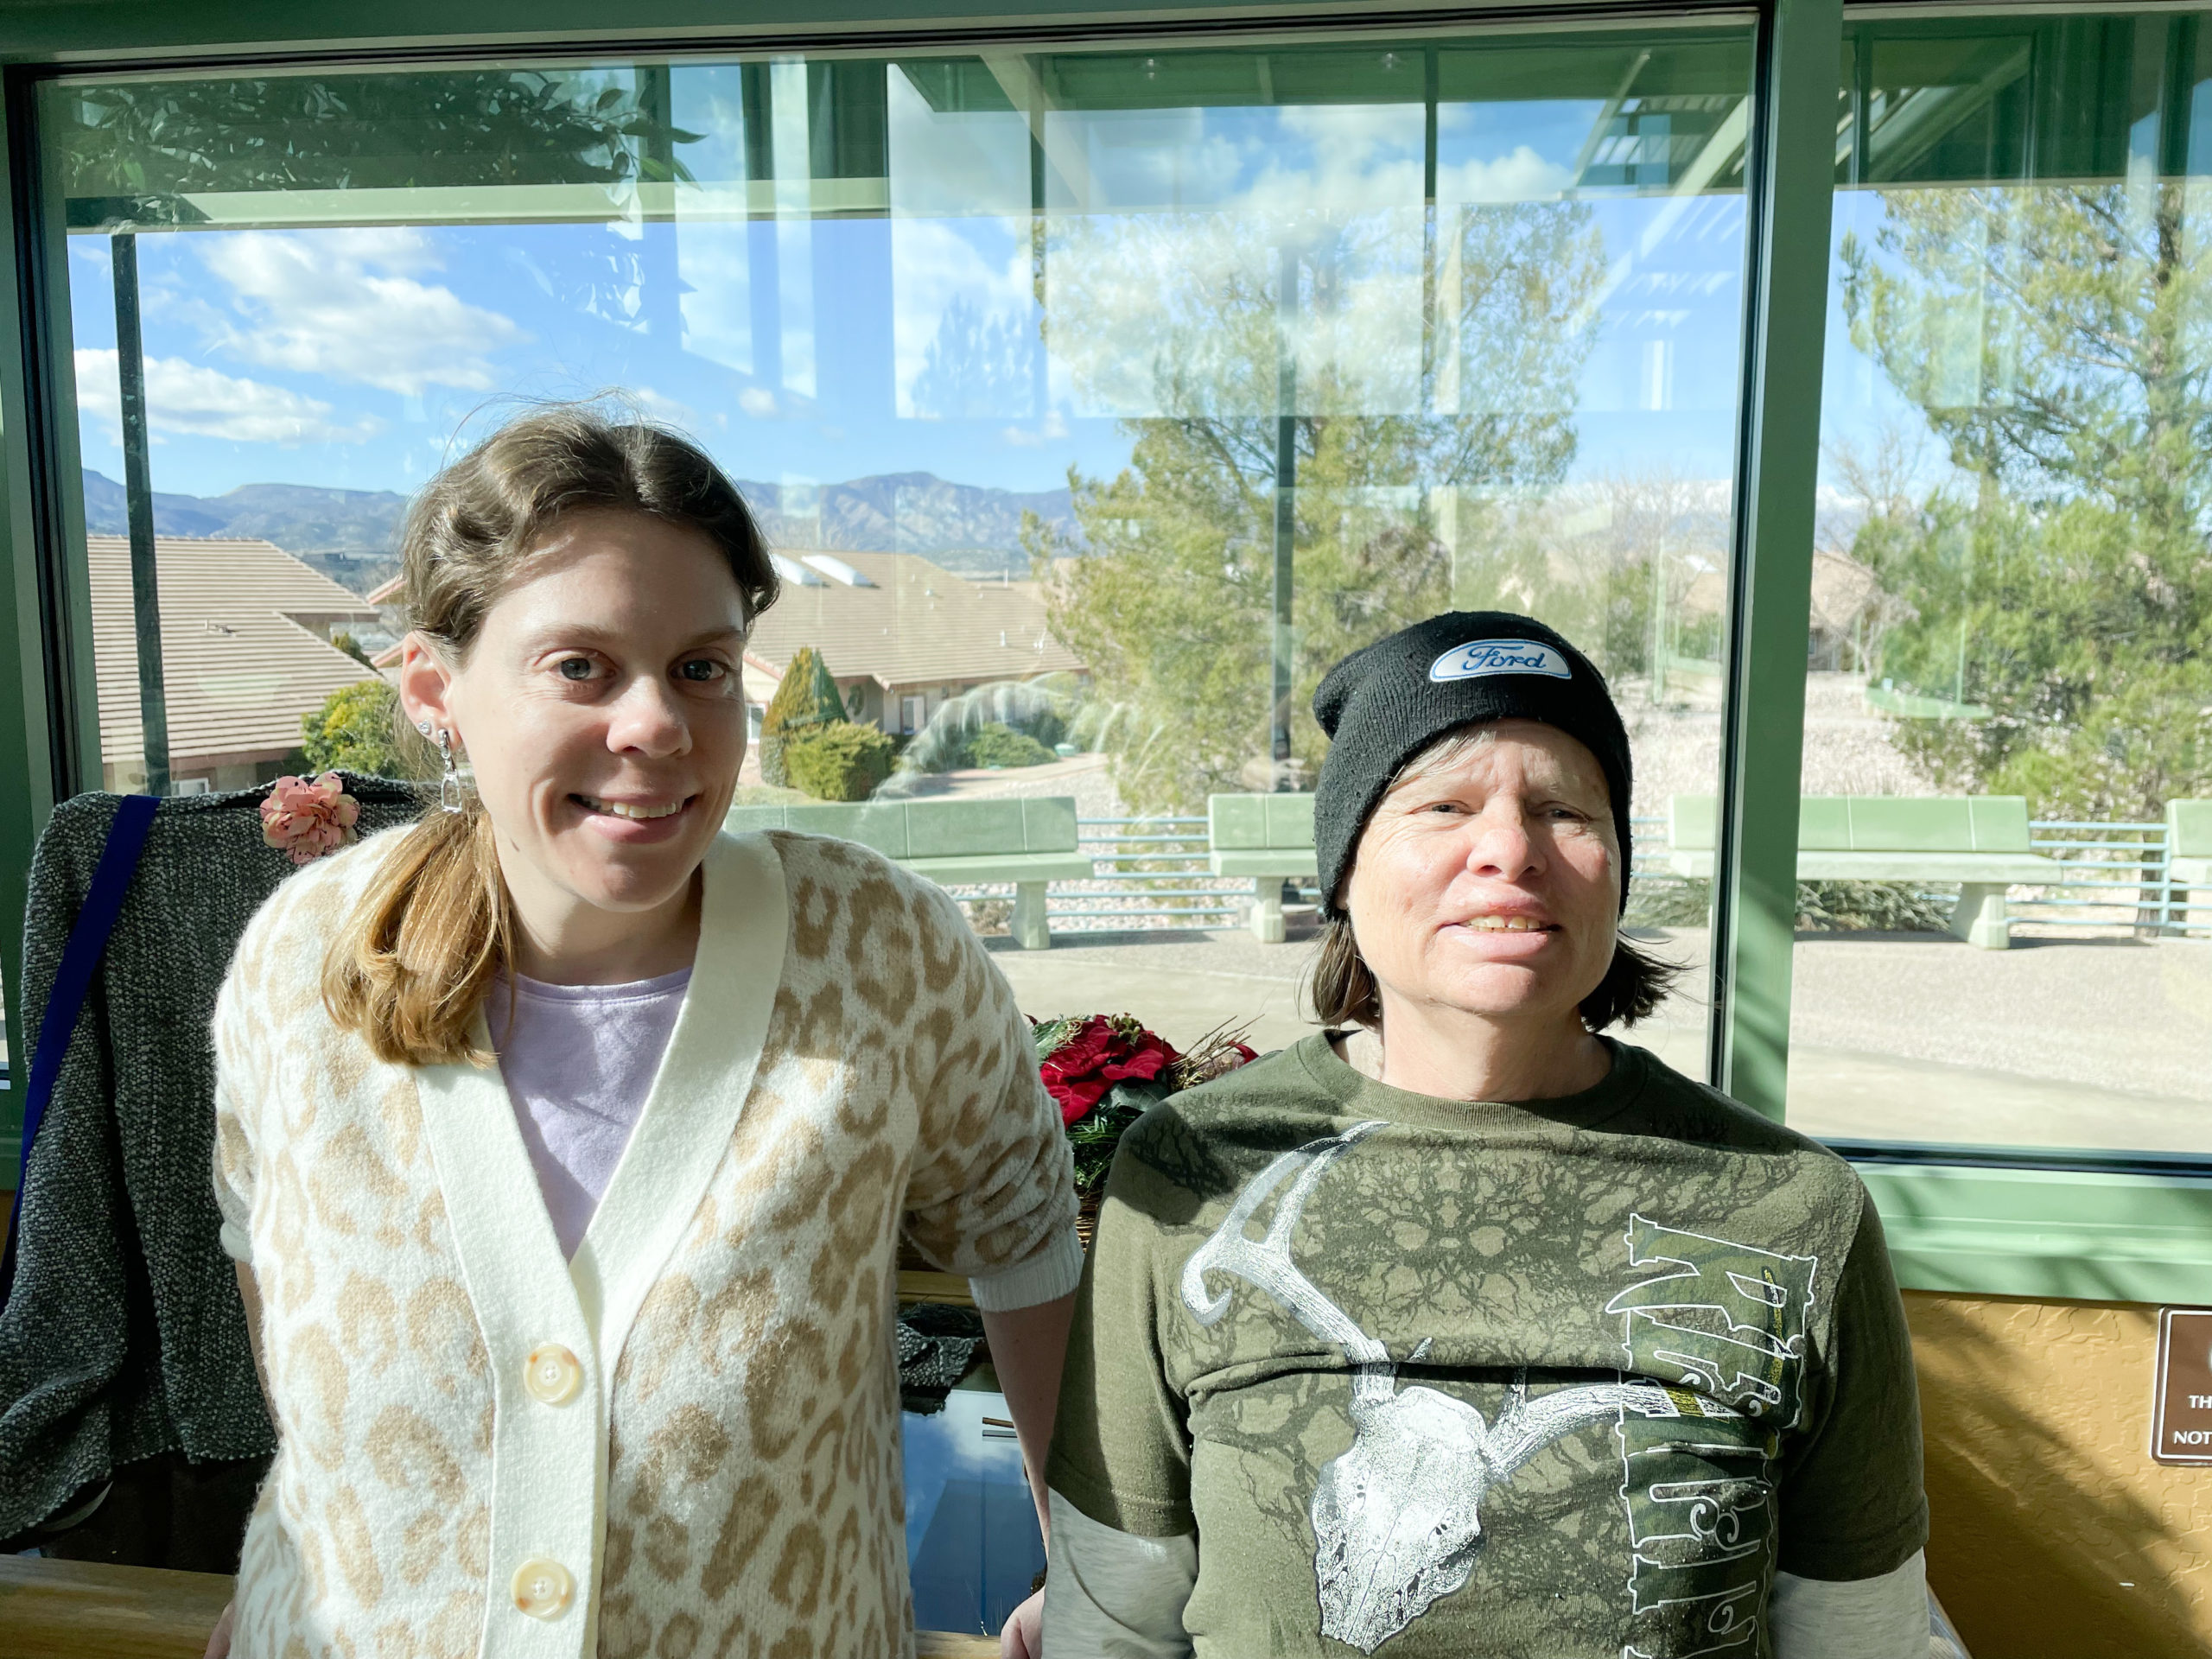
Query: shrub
point(991, 917)
point(356, 730)
point(1822, 907)
point(836, 760)
point(1045, 726)
point(1001, 745)
point(806, 695)
point(1875, 906)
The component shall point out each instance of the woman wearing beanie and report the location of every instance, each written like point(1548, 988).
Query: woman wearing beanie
point(564, 1141)
point(1459, 1328)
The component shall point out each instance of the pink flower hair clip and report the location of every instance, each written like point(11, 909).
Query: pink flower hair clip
point(305, 819)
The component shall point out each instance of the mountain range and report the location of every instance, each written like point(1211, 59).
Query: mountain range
point(353, 535)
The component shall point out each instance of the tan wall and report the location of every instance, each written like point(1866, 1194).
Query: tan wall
point(2055, 1536)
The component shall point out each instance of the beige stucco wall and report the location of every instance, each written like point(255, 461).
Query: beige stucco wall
point(2055, 1535)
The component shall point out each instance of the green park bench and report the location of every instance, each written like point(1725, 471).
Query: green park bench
point(2189, 855)
point(1268, 837)
point(1980, 842)
point(954, 843)
point(2189, 843)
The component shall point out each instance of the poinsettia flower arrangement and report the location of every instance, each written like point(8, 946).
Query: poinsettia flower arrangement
point(1103, 1069)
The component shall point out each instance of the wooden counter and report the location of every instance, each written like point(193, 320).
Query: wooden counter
point(82, 1610)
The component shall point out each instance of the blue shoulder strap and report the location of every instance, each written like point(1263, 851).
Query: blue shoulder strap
point(73, 980)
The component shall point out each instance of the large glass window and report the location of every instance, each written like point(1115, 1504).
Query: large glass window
point(1095, 401)
point(2009, 703)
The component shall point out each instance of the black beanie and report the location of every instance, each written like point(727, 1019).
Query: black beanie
point(1384, 705)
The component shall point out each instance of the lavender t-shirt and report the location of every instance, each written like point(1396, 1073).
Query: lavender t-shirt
point(579, 1061)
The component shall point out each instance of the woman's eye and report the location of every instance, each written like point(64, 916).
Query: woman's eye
point(702, 671)
point(574, 668)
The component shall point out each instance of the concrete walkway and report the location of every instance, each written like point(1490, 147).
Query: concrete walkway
point(2103, 1044)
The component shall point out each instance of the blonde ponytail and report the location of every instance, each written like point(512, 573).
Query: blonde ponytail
point(412, 964)
point(417, 956)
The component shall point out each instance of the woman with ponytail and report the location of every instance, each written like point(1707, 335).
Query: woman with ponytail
point(564, 1141)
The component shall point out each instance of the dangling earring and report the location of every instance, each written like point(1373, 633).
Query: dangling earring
point(450, 797)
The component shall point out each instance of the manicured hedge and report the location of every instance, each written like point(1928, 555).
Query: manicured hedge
point(838, 761)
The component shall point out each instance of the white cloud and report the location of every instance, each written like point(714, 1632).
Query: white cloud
point(345, 303)
point(185, 398)
point(674, 411)
point(937, 262)
point(1522, 176)
point(1050, 429)
point(758, 402)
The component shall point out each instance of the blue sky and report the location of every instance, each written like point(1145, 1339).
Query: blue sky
point(813, 350)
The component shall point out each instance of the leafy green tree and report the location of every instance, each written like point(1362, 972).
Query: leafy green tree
point(2056, 341)
point(134, 152)
point(1172, 603)
point(158, 140)
point(357, 729)
point(806, 695)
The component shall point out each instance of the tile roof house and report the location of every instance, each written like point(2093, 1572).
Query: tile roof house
point(245, 653)
point(901, 634)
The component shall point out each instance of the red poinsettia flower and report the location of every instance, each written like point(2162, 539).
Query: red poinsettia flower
point(1101, 1051)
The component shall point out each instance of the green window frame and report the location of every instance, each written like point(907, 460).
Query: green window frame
point(1958, 1219)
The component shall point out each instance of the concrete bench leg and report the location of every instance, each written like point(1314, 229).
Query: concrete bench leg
point(1267, 910)
point(1981, 920)
point(1029, 930)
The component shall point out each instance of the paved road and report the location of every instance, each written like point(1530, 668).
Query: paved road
point(2056, 1043)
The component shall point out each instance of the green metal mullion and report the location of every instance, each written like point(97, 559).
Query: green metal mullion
point(26, 769)
point(1791, 187)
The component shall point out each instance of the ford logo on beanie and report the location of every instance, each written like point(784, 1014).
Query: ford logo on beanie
point(1382, 705)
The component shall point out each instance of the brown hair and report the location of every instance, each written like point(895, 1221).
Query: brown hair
point(1341, 989)
point(413, 964)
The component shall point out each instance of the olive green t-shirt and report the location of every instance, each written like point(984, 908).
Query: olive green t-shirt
point(1569, 1379)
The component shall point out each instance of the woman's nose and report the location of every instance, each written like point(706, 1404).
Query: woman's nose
point(648, 719)
point(1500, 845)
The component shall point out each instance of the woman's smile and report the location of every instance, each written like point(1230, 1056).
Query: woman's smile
point(637, 821)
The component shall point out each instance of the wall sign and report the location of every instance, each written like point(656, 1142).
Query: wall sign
point(2181, 1410)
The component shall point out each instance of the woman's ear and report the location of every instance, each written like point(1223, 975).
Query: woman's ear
point(425, 685)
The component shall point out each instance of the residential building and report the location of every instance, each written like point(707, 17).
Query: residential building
point(245, 653)
point(901, 634)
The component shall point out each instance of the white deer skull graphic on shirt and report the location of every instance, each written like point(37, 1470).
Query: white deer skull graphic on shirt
point(1397, 1517)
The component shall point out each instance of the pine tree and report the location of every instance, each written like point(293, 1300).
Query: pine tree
point(1171, 603)
point(2060, 579)
point(806, 695)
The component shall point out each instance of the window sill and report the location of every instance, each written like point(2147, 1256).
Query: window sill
point(2085, 1235)
point(2074, 1235)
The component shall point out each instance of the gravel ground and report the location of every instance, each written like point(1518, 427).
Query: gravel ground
point(1894, 1037)
point(2067, 1040)
point(1848, 750)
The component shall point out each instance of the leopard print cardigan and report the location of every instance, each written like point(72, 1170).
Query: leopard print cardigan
point(684, 1441)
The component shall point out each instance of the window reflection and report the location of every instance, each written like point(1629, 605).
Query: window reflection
point(2013, 589)
point(1096, 400)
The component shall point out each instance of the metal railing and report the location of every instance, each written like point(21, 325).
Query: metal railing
point(2119, 870)
point(1152, 873)
point(2111, 874)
